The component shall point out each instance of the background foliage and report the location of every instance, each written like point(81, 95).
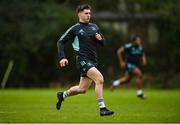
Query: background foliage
point(30, 29)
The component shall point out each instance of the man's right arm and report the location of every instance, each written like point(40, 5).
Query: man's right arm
point(120, 53)
point(67, 36)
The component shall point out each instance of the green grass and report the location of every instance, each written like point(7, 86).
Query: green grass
point(38, 105)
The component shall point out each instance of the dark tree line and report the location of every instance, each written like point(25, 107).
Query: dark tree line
point(30, 29)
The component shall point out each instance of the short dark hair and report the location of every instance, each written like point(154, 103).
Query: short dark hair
point(135, 37)
point(82, 7)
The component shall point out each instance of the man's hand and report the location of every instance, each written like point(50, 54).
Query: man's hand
point(98, 36)
point(63, 62)
point(144, 61)
point(123, 65)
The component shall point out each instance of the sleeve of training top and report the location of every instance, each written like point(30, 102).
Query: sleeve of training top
point(101, 42)
point(127, 47)
point(143, 52)
point(67, 36)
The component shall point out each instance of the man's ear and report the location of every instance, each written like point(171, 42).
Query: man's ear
point(79, 14)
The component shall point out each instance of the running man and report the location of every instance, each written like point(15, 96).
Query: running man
point(85, 37)
point(131, 56)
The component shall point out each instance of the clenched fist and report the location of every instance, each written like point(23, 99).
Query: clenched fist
point(63, 62)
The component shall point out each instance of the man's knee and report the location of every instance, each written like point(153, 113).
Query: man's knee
point(100, 79)
point(138, 74)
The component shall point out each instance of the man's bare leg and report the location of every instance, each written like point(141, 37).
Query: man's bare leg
point(126, 79)
point(97, 77)
point(84, 84)
point(138, 74)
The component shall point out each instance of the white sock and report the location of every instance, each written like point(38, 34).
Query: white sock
point(139, 92)
point(101, 103)
point(116, 83)
point(65, 94)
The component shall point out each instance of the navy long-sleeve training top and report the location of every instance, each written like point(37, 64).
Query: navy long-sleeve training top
point(84, 42)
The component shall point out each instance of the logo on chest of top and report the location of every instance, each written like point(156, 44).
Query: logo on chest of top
point(81, 31)
point(136, 51)
point(93, 28)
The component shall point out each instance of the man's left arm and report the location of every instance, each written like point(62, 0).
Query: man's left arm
point(144, 61)
point(99, 37)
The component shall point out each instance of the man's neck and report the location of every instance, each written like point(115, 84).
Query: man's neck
point(83, 22)
point(136, 45)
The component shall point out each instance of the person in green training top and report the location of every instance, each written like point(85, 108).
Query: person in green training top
point(85, 37)
point(131, 56)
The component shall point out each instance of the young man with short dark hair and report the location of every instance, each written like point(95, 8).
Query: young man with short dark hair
point(85, 37)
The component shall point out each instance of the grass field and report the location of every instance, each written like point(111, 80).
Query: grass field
point(38, 105)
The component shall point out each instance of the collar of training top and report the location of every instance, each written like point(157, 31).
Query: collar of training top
point(83, 23)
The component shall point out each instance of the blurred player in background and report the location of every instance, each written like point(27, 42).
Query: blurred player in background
point(131, 56)
point(85, 37)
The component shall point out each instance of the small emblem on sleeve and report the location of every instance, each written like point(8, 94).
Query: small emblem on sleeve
point(93, 28)
point(82, 63)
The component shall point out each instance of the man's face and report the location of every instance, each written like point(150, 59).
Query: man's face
point(85, 15)
point(137, 41)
